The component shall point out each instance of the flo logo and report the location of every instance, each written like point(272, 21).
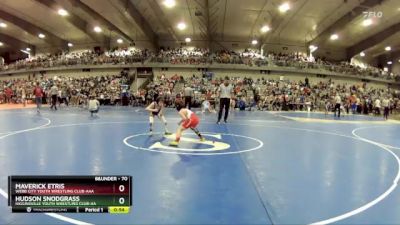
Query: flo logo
point(215, 144)
point(372, 14)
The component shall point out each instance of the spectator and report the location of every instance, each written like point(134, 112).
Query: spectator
point(188, 94)
point(225, 94)
point(54, 93)
point(93, 106)
point(38, 93)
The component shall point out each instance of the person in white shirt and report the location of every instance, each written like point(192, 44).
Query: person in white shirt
point(206, 105)
point(338, 102)
point(23, 96)
point(328, 106)
point(378, 106)
point(385, 105)
point(188, 94)
point(93, 106)
point(54, 93)
point(225, 95)
point(59, 97)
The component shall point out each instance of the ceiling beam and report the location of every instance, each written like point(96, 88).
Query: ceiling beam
point(15, 43)
point(95, 15)
point(203, 20)
point(75, 20)
point(34, 30)
point(139, 19)
point(163, 19)
point(344, 20)
point(393, 56)
point(224, 18)
point(372, 40)
point(207, 9)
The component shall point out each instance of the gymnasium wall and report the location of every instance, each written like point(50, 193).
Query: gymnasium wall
point(14, 76)
point(396, 67)
point(69, 73)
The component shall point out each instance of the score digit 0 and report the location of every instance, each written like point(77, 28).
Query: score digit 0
point(121, 188)
point(121, 200)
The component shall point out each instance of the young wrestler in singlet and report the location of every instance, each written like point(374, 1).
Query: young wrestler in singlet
point(156, 108)
point(189, 120)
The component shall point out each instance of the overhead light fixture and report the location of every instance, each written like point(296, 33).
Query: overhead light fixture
point(70, 44)
point(265, 29)
point(62, 12)
point(41, 35)
point(389, 62)
point(314, 27)
point(97, 29)
point(181, 26)
point(187, 40)
point(1, 44)
point(169, 3)
point(28, 49)
point(4, 25)
point(313, 48)
point(284, 7)
point(367, 22)
point(120, 41)
point(334, 37)
point(254, 42)
point(362, 54)
point(388, 48)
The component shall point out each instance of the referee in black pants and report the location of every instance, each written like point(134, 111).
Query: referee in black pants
point(225, 94)
point(338, 103)
point(188, 93)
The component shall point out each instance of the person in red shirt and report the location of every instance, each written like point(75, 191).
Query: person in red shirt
point(8, 92)
point(38, 92)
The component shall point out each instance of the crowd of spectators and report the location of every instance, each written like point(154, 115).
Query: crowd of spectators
point(80, 58)
point(192, 56)
point(276, 95)
point(74, 91)
point(249, 93)
point(255, 58)
point(198, 56)
point(301, 61)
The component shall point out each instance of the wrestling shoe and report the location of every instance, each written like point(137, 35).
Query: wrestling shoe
point(174, 143)
point(167, 133)
point(202, 139)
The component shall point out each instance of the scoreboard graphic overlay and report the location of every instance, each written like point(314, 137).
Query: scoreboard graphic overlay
point(70, 194)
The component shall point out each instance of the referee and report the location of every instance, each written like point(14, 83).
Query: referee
point(338, 103)
point(188, 93)
point(225, 94)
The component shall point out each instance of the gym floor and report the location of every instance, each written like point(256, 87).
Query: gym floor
point(260, 168)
